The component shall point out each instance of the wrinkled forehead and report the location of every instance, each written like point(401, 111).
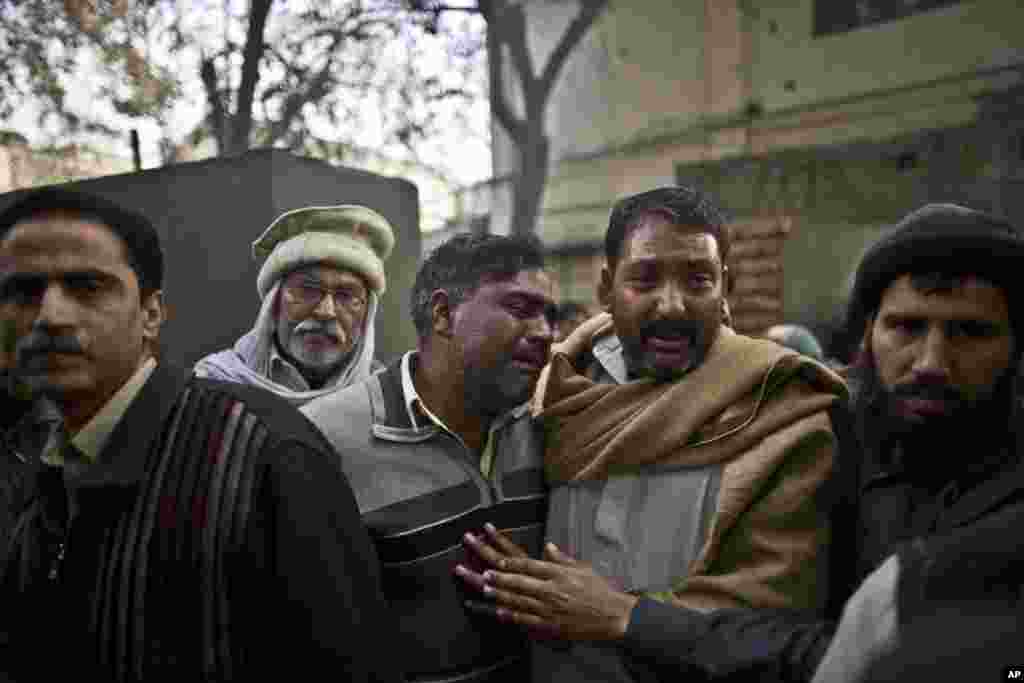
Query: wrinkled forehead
point(969, 297)
point(57, 241)
point(328, 275)
point(534, 282)
point(655, 237)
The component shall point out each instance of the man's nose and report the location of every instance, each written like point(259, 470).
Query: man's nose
point(56, 308)
point(326, 309)
point(671, 301)
point(932, 360)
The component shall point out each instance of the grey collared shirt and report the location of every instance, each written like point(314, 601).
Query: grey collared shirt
point(415, 405)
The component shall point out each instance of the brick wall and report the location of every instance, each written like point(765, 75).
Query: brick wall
point(755, 262)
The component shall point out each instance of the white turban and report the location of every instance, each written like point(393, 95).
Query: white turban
point(348, 236)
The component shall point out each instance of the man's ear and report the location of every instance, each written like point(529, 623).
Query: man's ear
point(275, 307)
point(727, 280)
point(726, 313)
point(604, 288)
point(154, 313)
point(441, 314)
point(864, 347)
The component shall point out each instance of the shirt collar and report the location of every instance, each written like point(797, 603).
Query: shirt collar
point(92, 438)
point(608, 353)
point(413, 403)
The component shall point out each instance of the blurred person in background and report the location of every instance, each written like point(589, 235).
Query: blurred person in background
point(796, 337)
point(570, 315)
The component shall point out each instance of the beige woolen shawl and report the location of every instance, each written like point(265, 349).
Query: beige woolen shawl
point(756, 407)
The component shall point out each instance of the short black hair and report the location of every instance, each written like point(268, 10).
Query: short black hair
point(681, 204)
point(464, 262)
point(141, 241)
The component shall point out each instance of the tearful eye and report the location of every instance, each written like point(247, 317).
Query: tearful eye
point(349, 296)
point(520, 310)
point(701, 280)
point(643, 283)
point(22, 291)
point(85, 285)
point(909, 326)
point(973, 328)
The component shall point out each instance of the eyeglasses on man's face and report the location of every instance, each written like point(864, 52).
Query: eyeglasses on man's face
point(308, 293)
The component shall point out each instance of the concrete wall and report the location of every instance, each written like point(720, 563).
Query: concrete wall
point(22, 166)
point(208, 214)
point(661, 67)
point(669, 82)
point(665, 84)
point(967, 36)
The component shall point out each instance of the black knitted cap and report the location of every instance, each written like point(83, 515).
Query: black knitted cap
point(941, 238)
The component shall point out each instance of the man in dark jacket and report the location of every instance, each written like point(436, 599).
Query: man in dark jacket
point(182, 529)
point(932, 456)
point(940, 303)
point(441, 442)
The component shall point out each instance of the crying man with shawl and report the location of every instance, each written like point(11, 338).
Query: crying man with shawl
point(320, 285)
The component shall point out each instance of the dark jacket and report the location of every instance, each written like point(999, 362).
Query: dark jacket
point(420, 489)
point(983, 548)
point(216, 539)
point(877, 511)
point(11, 462)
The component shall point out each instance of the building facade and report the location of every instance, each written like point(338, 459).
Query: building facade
point(22, 166)
point(815, 123)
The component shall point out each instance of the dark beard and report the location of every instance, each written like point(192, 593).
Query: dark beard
point(492, 392)
point(638, 363)
point(938, 449)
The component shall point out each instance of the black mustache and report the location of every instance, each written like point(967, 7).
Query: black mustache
point(41, 342)
point(671, 329)
point(929, 392)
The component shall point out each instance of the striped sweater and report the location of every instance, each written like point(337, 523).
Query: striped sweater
point(216, 540)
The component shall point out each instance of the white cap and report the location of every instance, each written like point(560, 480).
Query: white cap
point(347, 236)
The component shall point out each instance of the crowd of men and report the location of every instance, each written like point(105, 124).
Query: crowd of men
point(537, 491)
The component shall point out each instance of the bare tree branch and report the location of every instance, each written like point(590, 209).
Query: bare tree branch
point(294, 102)
point(451, 8)
point(500, 107)
point(581, 23)
point(269, 73)
point(513, 21)
point(218, 116)
point(251, 56)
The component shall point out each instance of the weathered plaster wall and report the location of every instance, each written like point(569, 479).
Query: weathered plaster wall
point(665, 83)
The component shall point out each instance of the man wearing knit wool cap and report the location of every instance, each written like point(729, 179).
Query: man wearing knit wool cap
point(320, 284)
point(938, 479)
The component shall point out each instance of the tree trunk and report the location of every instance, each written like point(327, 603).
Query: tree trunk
point(508, 27)
point(218, 115)
point(252, 55)
point(528, 186)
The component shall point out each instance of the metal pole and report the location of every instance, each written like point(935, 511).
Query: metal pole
point(136, 153)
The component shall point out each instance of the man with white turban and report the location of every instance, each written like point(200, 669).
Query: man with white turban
point(320, 285)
